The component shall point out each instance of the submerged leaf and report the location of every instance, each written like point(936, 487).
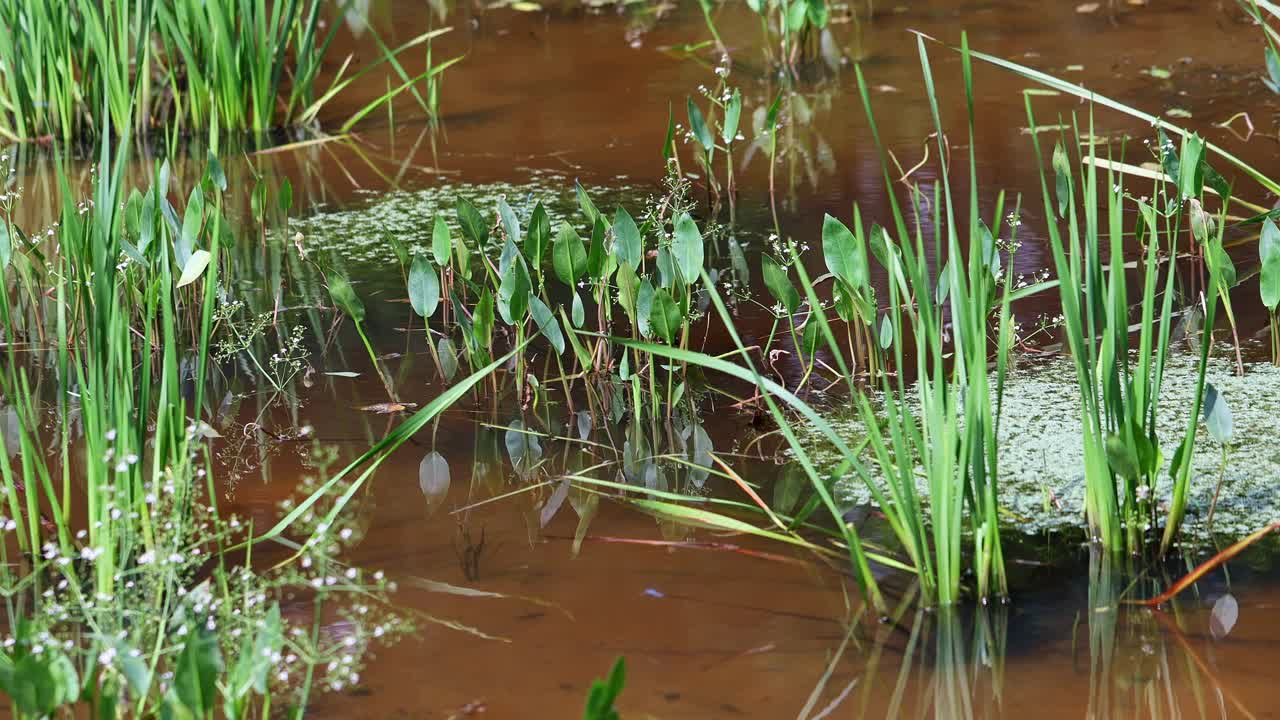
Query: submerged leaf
point(1226, 611)
point(523, 447)
point(345, 298)
point(434, 479)
point(554, 503)
point(1217, 416)
point(448, 358)
point(700, 455)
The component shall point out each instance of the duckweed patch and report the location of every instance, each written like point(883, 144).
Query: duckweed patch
point(1042, 459)
point(361, 235)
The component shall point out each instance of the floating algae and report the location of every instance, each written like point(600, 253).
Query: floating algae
point(362, 235)
point(1042, 458)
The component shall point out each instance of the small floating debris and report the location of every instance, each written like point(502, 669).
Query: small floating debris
point(388, 408)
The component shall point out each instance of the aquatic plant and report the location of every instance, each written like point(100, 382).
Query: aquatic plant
point(1269, 283)
point(1120, 392)
point(795, 24)
point(604, 693)
point(115, 517)
point(81, 67)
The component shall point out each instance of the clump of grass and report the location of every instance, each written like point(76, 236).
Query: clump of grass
point(74, 69)
point(130, 591)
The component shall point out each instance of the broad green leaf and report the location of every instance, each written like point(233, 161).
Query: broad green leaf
point(644, 304)
point(284, 198)
point(194, 267)
point(809, 340)
point(732, 114)
point(568, 255)
point(345, 298)
point(196, 674)
point(698, 124)
point(579, 312)
point(584, 201)
point(886, 332)
point(399, 248)
point(1062, 177)
point(990, 255)
point(816, 12)
point(1122, 458)
point(509, 222)
point(844, 253)
point(509, 254)
point(797, 14)
point(482, 320)
point(669, 144)
point(463, 253)
point(538, 239)
point(192, 220)
point(599, 262)
point(686, 246)
point(628, 244)
point(668, 275)
point(424, 286)
point(474, 227)
point(779, 285)
point(214, 173)
point(1269, 253)
point(254, 663)
point(258, 200)
point(881, 245)
point(1190, 164)
point(513, 292)
point(665, 316)
point(628, 291)
point(440, 242)
point(546, 322)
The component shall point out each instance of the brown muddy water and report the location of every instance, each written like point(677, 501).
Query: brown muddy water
point(716, 626)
